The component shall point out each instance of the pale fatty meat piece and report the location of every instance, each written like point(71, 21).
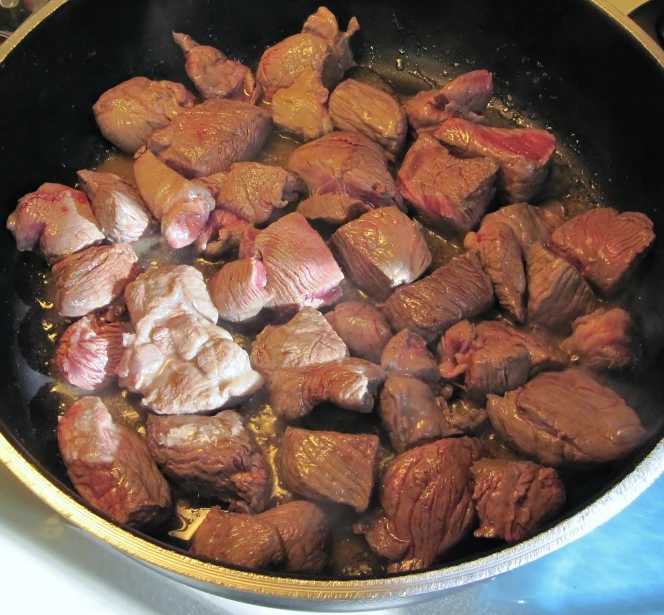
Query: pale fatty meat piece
point(222, 233)
point(333, 209)
point(130, 112)
point(406, 354)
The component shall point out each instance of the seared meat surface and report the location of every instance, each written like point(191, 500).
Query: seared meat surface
point(406, 354)
point(333, 209)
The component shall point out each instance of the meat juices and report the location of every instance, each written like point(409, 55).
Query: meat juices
point(214, 75)
point(381, 250)
point(55, 221)
point(329, 466)
point(238, 290)
point(592, 425)
point(213, 456)
point(118, 207)
point(425, 495)
point(111, 467)
point(93, 278)
point(514, 498)
point(447, 192)
point(128, 113)
point(406, 354)
point(332, 209)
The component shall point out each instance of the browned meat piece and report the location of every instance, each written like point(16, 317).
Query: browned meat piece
point(514, 498)
point(362, 328)
point(54, 221)
point(381, 250)
point(530, 224)
point(238, 289)
point(406, 354)
point(300, 109)
point(213, 456)
point(447, 192)
point(183, 206)
point(238, 540)
point(128, 113)
point(348, 383)
point(329, 466)
point(458, 290)
point(118, 207)
point(320, 46)
point(566, 418)
point(466, 416)
point(90, 351)
point(307, 340)
point(333, 209)
point(111, 467)
point(346, 163)
point(604, 245)
point(602, 340)
point(214, 75)
point(524, 154)
point(427, 506)
point(466, 96)
point(212, 136)
point(557, 294)
point(222, 233)
point(411, 413)
point(93, 278)
point(359, 107)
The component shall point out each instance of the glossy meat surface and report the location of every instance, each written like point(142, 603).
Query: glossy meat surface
point(332, 209)
point(406, 354)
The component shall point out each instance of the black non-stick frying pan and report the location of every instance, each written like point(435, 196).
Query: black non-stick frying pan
point(572, 65)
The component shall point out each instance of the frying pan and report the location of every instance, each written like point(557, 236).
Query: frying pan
point(573, 65)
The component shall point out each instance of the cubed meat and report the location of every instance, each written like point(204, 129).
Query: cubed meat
point(362, 328)
point(93, 278)
point(212, 136)
point(182, 206)
point(514, 498)
point(382, 250)
point(223, 232)
point(456, 291)
point(360, 107)
point(466, 416)
point(213, 456)
point(447, 192)
point(300, 109)
point(333, 209)
point(557, 293)
point(215, 75)
point(566, 418)
point(411, 413)
point(426, 497)
point(466, 96)
point(524, 154)
point(54, 221)
point(602, 340)
point(110, 466)
point(406, 354)
point(129, 113)
point(329, 466)
point(118, 207)
point(604, 245)
point(346, 163)
point(90, 351)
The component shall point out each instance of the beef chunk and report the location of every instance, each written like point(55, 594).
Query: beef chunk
point(238, 540)
point(466, 416)
point(466, 96)
point(566, 418)
point(406, 354)
point(111, 467)
point(381, 250)
point(524, 154)
point(212, 136)
point(447, 192)
point(458, 290)
point(425, 494)
point(93, 278)
point(602, 340)
point(362, 328)
point(514, 498)
point(333, 209)
point(557, 294)
point(129, 113)
point(214, 75)
point(222, 233)
point(604, 245)
point(329, 466)
point(54, 221)
point(348, 163)
point(213, 456)
point(89, 352)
